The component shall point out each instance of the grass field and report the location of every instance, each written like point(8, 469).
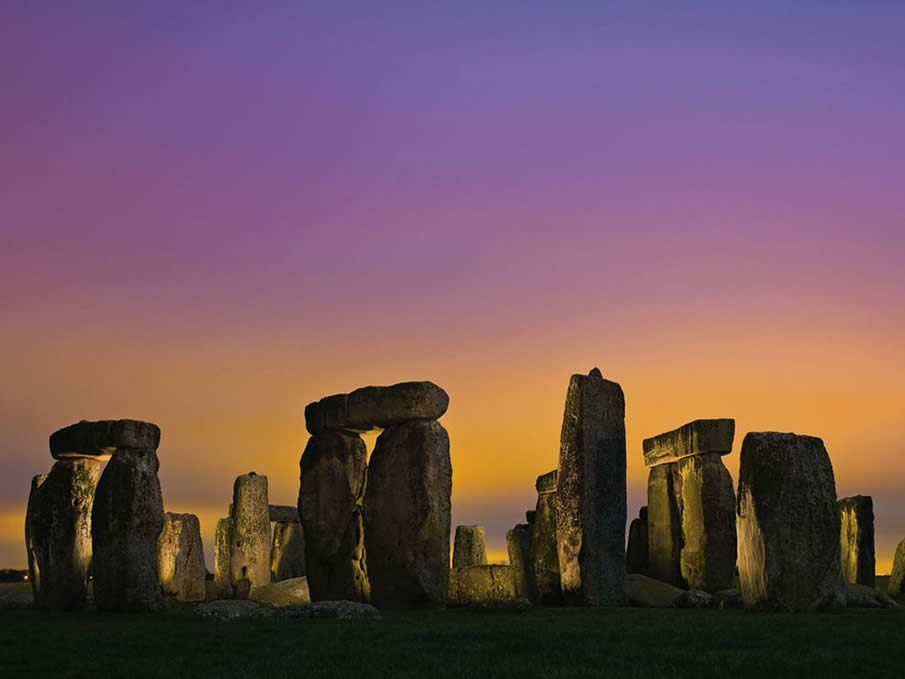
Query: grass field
point(628, 642)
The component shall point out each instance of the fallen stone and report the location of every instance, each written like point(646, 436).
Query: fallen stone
point(896, 586)
point(695, 598)
point(283, 513)
point(287, 554)
point(470, 546)
point(636, 552)
point(700, 437)
point(664, 525)
point(407, 516)
point(16, 600)
point(544, 554)
point(862, 596)
point(518, 544)
point(520, 605)
point(180, 558)
point(228, 610)
point(857, 540)
point(644, 591)
point(377, 407)
point(292, 592)
point(336, 610)
point(480, 583)
point(729, 598)
point(250, 550)
point(100, 439)
point(590, 493)
point(788, 524)
point(34, 573)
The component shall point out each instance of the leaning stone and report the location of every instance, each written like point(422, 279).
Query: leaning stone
point(283, 513)
point(292, 592)
point(520, 605)
point(590, 492)
point(857, 540)
point(862, 596)
point(180, 558)
point(695, 598)
point(470, 547)
point(336, 610)
point(333, 469)
point(518, 544)
point(100, 439)
point(636, 552)
point(250, 552)
point(644, 591)
point(700, 437)
point(544, 555)
point(228, 610)
point(224, 585)
point(126, 522)
point(287, 554)
point(60, 533)
point(480, 583)
point(407, 516)
point(896, 586)
point(664, 525)
point(34, 574)
point(377, 407)
point(788, 524)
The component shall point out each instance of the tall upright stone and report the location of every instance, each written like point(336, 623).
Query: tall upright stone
point(788, 524)
point(224, 585)
point(591, 494)
point(896, 587)
point(333, 470)
point(250, 552)
point(180, 558)
point(544, 555)
point(518, 544)
point(407, 516)
point(287, 554)
point(636, 552)
point(126, 522)
point(34, 573)
point(664, 525)
point(60, 533)
point(857, 540)
point(470, 547)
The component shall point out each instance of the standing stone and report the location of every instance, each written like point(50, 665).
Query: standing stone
point(287, 555)
point(664, 525)
point(470, 548)
point(590, 493)
point(896, 587)
point(636, 553)
point(544, 555)
point(250, 553)
point(180, 558)
point(407, 516)
point(125, 525)
point(857, 540)
point(518, 543)
point(788, 524)
point(224, 585)
point(283, 513)
point(34, 574)
point(333, 469)
point(60, 533)
point(708, 555)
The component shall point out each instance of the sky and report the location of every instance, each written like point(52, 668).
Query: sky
point(214, 213)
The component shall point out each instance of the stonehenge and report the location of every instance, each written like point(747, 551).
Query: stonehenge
point(856, 515)
point(518, 544)
point(470, 546)
point(896, 587)
point(287, 552)
point(544, 554)
point(789, 555)
point(180, 558)
point(34, 572)
point(636, 551)
point(480, 583)
point(242, 559)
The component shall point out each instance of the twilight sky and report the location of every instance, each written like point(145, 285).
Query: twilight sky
point(213, 213)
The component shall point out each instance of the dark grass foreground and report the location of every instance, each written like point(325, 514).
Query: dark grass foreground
point(629, 642)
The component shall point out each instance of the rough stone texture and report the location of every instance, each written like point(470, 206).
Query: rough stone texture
point(283, 513)
point(100, 439)
point(644, 591)
point(377, 407)
point(664, 525)
point(60, 533)
point(125, 524)
point(470, 548)
point(788, 524)
point(636, 552)
point(544, 554)
point(729, 598)
point(480, 583)
point(250, 551)
point(700, 437)
point(224, 585)
point(292, 592)
point(518, 543)
point(695, 598)
point(857, 540)
point(180, 558)
point(590, 492)
point(335, 610)
point(896, 586)
point(862, 596)
point(34, 573)
point(708, 553)
point(232, 610)
point(407, 516)
point(287, 554)
point(332, 483)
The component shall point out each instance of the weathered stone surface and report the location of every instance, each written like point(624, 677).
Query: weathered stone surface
point(227, 611)
point(644, 591)
point(480, 583)
point(857, 540)
point(60, 533)
point(470, 548)
point(544, 555)
point(224, 584)
point(407, 516)
point(100, 439)
point(708, 553)
point(546, 483)
point(335, 610)
point(292, 592)
point(862, 596)
point(636, 552)
point(896, 586)
point(283, 513)
point(664, 525)
point(34, 573)
point(180, 558)
point(590, 492)
point(700, 437)
point(377, 407)
point(287, 554)
point(518, 544)
point(332, 483)
point(695, 598)
point(250, 551)
point(788, 524)
point(125, 525)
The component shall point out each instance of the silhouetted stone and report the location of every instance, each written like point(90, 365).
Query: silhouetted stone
point(60, 533)
point(224, 585)
point(857, 540)
point(180, 558)
point(34, 572)
point(100, 439)
point(480, 583)
point(664, 525)
point(530, 516)
point(291, 592)
point(700, 437)
point(377, 407)
point(407, 515)
point(896, 586)
point(544, 555)
point(788, 524)
point(283, 513)
point(644, 591)
point(590, 493)
point(125, 525)
point(250, 553)
point(332, 482)
point(636, 552)
point(518, 544)
point(470, 546)
point(287, 555)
